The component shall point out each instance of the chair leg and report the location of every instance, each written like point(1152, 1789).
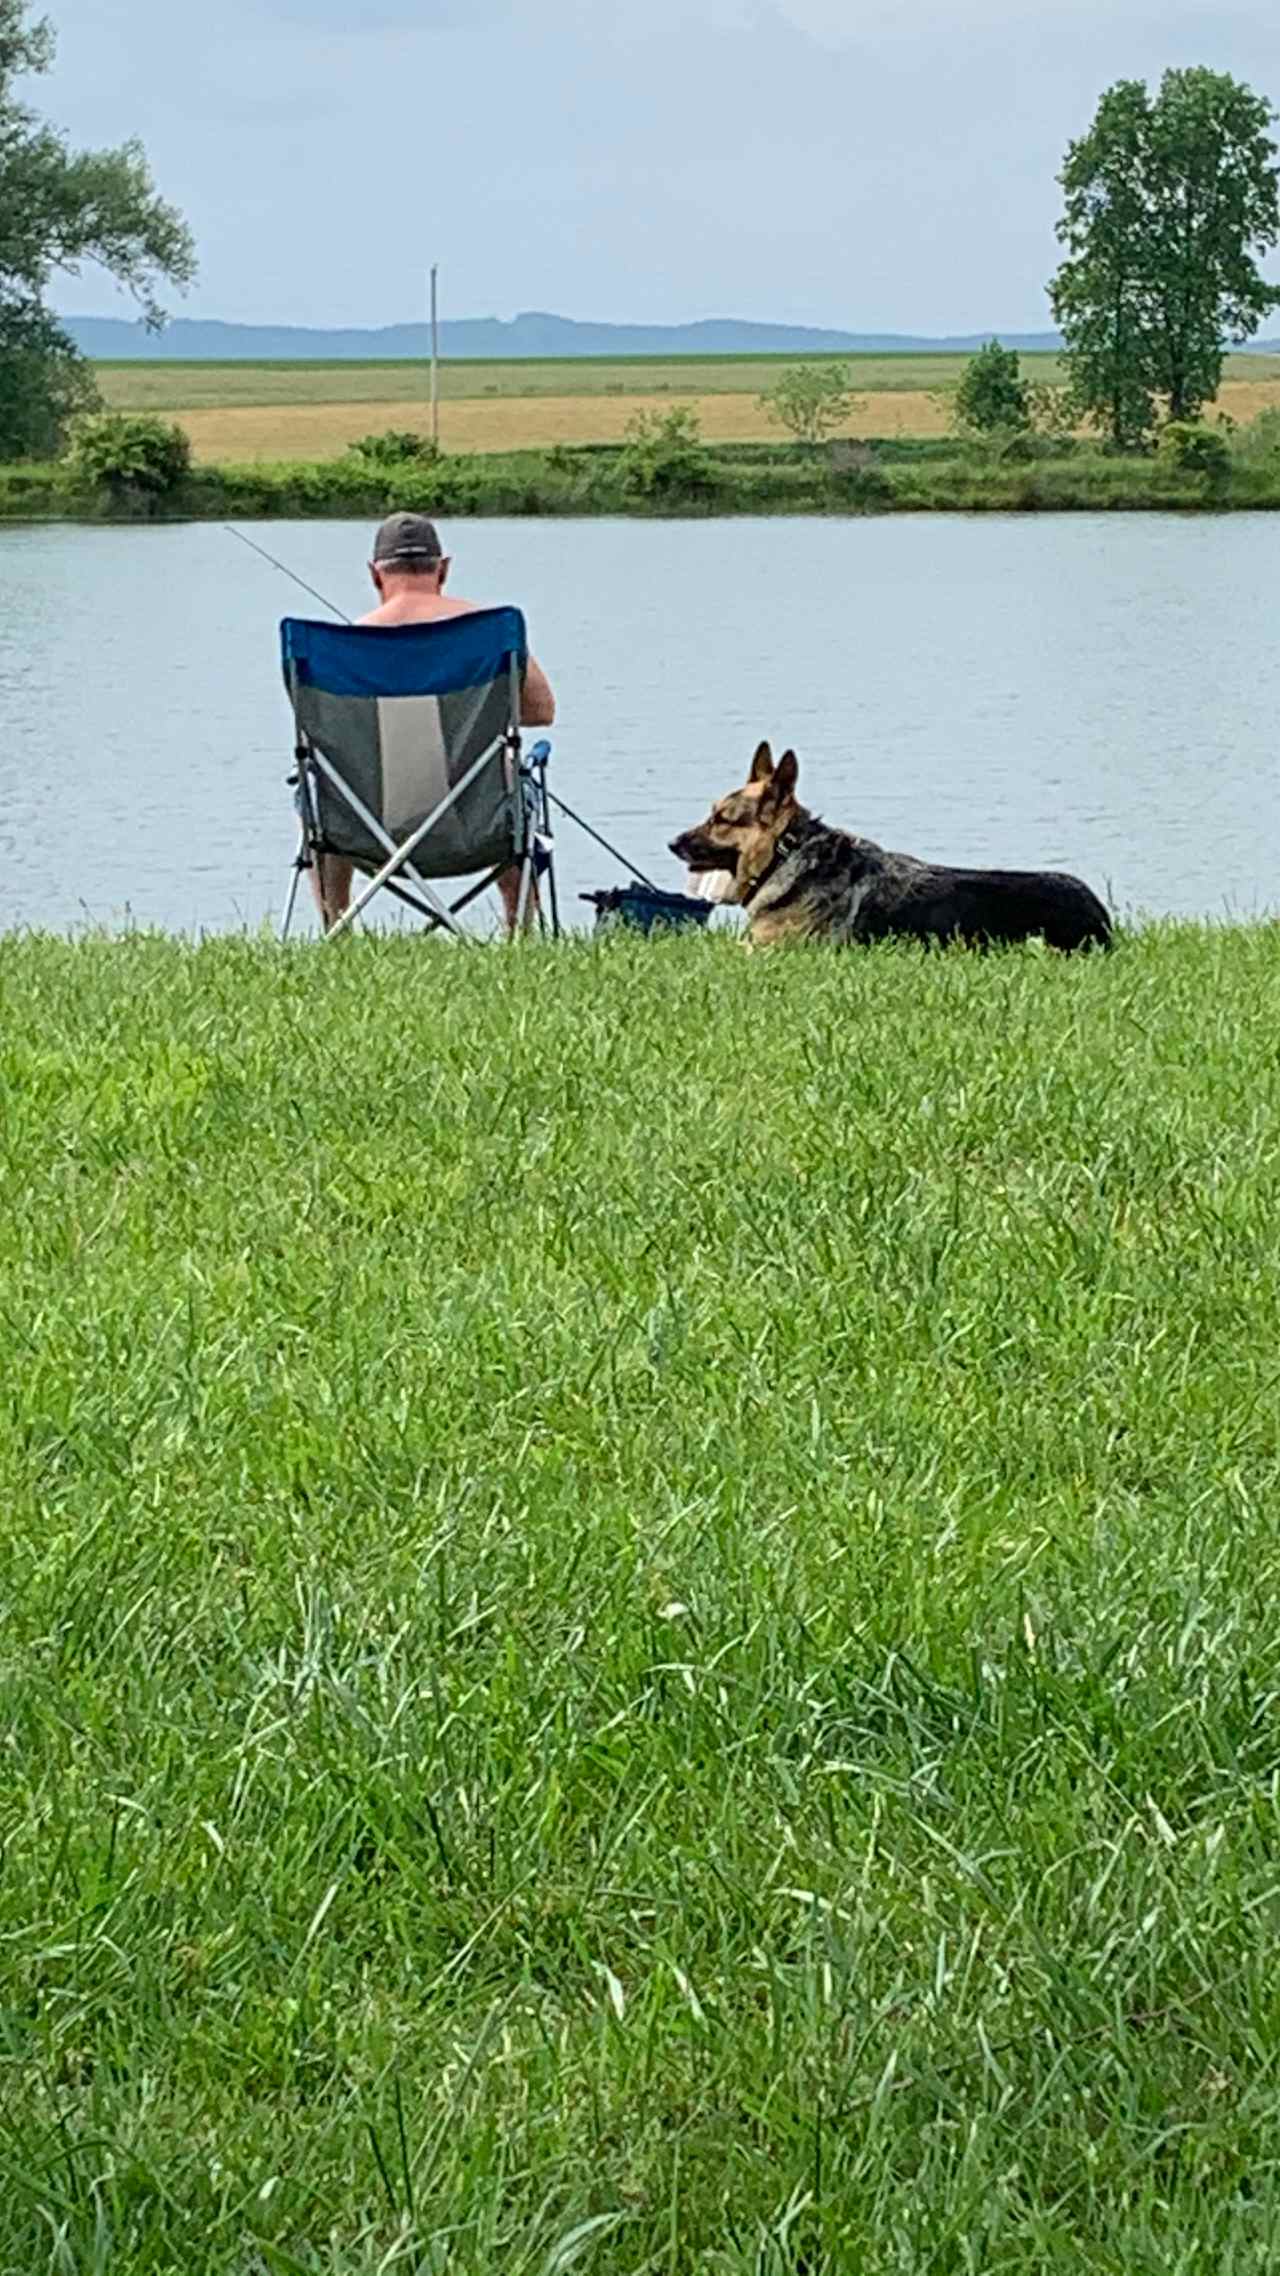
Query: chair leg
point(375, 885)
point(295, 879)
point(522, 897)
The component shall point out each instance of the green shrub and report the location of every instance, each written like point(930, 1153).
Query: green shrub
point(1186, 446)
point(133, 457)
point(1015, 446)
point(397, 446)
point(993, 397)
point(1258, 444)
point(664, 456)
point(341, 485)
point(31, 491)
point(664, 467)
point(1008, 446)
point(251, 491)
point(862, 488)
point(436, 486)
point(1055, 415)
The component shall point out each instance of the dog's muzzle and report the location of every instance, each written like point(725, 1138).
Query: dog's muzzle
point(699, 853)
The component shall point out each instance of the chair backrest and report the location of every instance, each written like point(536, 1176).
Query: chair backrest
point(403, 714)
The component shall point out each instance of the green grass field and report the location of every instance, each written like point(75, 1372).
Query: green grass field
point(640, 1616)
point(214, 386)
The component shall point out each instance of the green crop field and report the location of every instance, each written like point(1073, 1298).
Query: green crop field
point(640, 1609)
point(213, 386)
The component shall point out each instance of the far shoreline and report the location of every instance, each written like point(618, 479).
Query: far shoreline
point(595, 481)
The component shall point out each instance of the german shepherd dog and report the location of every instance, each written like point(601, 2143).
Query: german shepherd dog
point(799, 880)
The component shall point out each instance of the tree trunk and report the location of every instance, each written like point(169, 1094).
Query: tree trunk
point(1118, 436)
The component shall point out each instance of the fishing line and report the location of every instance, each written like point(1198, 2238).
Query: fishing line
point(618, 857)
point(286, 571)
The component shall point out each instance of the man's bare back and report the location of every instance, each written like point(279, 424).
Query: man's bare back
point(405, 606)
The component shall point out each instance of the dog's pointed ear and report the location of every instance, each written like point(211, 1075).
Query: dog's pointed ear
point(786, 775)
point(762, 764)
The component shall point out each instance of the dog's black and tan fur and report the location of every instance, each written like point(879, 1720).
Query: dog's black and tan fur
point(800, 880)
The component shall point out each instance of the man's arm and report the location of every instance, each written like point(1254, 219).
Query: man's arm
point(538, 708)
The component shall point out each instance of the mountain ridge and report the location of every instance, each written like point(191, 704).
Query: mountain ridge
point(535, 333)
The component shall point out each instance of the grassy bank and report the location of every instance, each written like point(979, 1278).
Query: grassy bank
point(640, 1609)
point(746, 478)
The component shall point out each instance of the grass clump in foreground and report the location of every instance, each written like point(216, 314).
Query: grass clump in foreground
point(640, 1608)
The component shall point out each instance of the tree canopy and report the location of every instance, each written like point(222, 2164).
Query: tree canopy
point(993, 397)
point(811, 400)
point(58, 209)
point(1169, 202)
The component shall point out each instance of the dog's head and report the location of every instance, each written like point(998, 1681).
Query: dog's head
point(742, 830)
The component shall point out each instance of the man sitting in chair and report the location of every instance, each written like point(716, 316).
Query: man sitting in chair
point(409, 570)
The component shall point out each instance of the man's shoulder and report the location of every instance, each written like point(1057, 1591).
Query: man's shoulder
point(389, 616)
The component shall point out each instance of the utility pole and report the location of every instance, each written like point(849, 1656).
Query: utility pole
point(435, 363)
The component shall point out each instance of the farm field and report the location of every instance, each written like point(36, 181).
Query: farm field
point(214, 386)
point(245, 412)
point(640, 1608)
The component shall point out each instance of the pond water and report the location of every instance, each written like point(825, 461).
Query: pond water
point(1100, 693)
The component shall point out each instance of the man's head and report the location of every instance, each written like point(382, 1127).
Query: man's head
point(407, 549)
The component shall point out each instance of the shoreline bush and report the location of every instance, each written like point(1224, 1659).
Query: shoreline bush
point(665, 472)
point(139, 463)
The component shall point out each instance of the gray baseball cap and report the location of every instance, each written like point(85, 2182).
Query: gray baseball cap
point(407, 537)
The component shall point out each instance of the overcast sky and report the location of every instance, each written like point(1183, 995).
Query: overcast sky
point(881, 165)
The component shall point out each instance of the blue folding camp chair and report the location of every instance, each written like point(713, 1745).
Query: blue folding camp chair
point(410, 764)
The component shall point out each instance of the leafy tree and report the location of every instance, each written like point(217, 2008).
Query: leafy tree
point(58, 209)
point(1097, 294)
point(993, 397)
point(1169, 201)
point(1216, 194)
point(811, 401)
point(43, 381)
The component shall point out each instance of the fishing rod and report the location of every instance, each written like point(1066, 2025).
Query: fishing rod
point(286, 571)
point(618, 857)
point(334, 610)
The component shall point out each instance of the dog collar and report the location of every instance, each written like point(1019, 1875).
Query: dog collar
point(787, 844)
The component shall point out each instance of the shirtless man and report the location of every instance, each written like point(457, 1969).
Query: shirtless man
point(409, 571)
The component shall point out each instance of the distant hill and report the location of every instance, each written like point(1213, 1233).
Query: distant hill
point(112, 338)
